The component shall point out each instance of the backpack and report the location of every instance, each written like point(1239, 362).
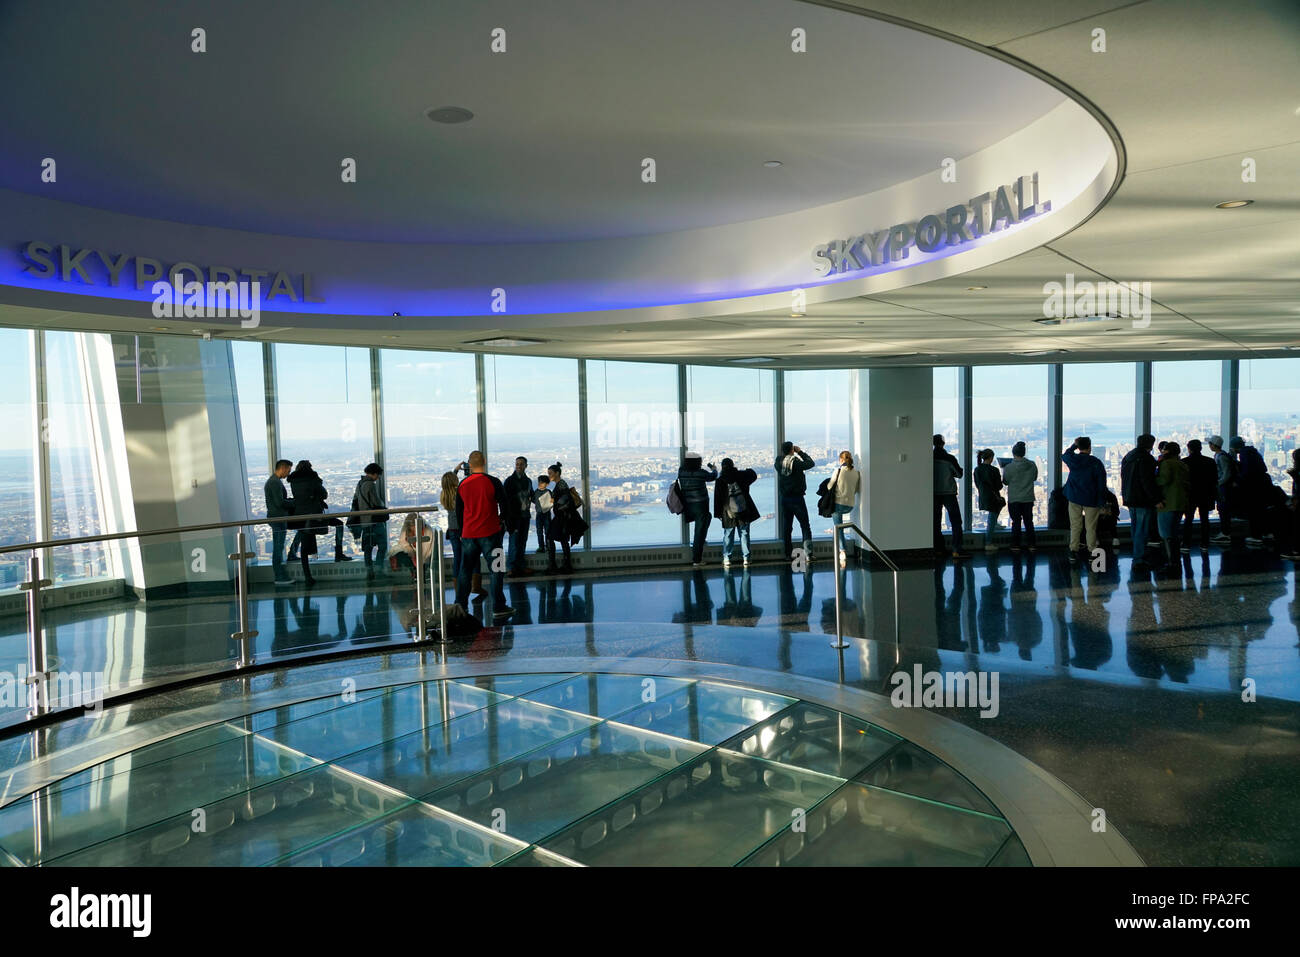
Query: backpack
point(354, 521)
point(674, 500)
point(737, 501)
point(1058, 510)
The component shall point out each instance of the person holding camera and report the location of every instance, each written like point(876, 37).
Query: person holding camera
point(693, 481)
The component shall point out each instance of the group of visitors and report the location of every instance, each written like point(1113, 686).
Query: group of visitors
point(1160, 487)
point(734, 506)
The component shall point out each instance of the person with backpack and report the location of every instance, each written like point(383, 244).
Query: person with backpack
point(1174, 497)
point(1203, 479)
point(791, 487)
point(988, 483)
point(1226, 489)
point(374, 528)
point(1138, 487)
point(692, 481)
point(946, 473)
point(1020, 475)
point(1085, 490)
point(309, 497)
point(735, 508)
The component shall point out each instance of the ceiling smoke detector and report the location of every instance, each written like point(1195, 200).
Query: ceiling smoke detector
point(449, 114)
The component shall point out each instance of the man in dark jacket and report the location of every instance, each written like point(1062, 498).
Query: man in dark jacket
point(692, 479)
point(735, 508)
point(1204, 477)
point(278, 505)
point(374, 528)
point(1137, 473)
point(1255, 487)
point(518, 515)
point(1085, 490)
point(947, 470)
point(791, 487)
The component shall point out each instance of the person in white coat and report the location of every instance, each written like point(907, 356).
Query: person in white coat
point(845, 482)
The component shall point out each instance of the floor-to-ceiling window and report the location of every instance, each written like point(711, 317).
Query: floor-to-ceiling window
point(1009, 405)
point(17, 450)
point(730, 413)
point(817, 420)
point(1186, 400)
point(1099, 400)
point(1268, 411)
point(74, 496)
point(634, 443)
point(430, 421)
point(250, 391)
point(532, 410)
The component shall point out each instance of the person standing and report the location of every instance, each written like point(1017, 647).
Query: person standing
point(309, 497)
point(1203, 479)
point(735, 508)
point(1085, 490)
point(1020, 476)
point(1174, 497)
point(448, 499)
point(1226, 469)
point(278, 505)
point(1255, 487)
point(519, 510)
point(946, 473)
point(845, 483)
point(988, 482)
point(374, 528)
point(563, 512)
point(480, 504)
point(543, 501)
point(693, 481)
point(791, 487)
point(1138, 486)
point(1292, 551)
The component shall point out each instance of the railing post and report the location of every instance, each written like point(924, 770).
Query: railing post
point(836, 547)
point(419, 580)
point(245, 635)
point(442, 586)
point(38, 698)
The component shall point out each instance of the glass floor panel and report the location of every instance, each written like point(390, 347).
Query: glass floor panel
point(547, 770)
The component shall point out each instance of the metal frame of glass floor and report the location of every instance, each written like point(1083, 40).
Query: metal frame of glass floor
point(524, 769)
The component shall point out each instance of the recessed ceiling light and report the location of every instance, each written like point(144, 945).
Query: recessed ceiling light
point(796, 315)
point(449, 114)
point(504, 342)
point(975, 288)
point(397, 313)
point(1234, 204)
point(162, 329)
point(772, 164)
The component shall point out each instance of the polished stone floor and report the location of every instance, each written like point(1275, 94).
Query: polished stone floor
point(1128, 686)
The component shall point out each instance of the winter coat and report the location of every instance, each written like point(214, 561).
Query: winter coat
point(1086, 485)
point(946, 473)
point(1203, 474)
point(695, 490)
point(989, 484)
point(1174, 484)
point(1020, 475)
point(845, 481)
point(1138, 480)
point(308, 498)
point(722, 491)
point(367, 497)
point(790, 481)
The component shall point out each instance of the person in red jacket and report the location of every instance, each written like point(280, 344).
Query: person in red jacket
point(480, 505)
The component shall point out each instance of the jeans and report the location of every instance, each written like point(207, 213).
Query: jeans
point(729, 536)
point(992, 526)
point(278, 533)
point(472, 549)
point(375, 537)
point(1083, 519)
point(1141, 518)
point(1204, 509)
point(1021, 513)
point(1167, 524)
point(954, 519)
point(453, 537)
point(792, 507)
point(702, 521)
point(1225, 510)
point(543, 531)
point(518, 544)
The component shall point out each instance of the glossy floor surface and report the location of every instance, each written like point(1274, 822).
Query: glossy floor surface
point(549, 770)
point(1171, 701)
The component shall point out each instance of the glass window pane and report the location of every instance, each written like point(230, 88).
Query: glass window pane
point(730, 413)
point(430, 421)
point(17, 475)
point(1186, 400)
point(532, 410)
point(323, 399)
point(1009, 405)
point(1099, 401)
point(1268, 412)
point(250, 391)
point(947, 395)
point(74, 496)
point(634, 445)
point(817, 420)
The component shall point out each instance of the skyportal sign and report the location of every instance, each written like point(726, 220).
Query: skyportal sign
point(985, 214)
point(66, 264)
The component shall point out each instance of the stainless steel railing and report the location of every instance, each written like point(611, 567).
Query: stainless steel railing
point(837, 553)
point(37, 652)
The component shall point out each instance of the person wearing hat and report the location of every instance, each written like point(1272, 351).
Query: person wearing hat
point(1255, 485)
point(1226, 467)
point(693, 481)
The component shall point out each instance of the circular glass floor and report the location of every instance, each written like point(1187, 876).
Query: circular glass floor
point(538, 769)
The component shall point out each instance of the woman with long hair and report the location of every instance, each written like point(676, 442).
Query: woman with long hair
point(447, 498)
point(845, 482)
point(562, 509)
